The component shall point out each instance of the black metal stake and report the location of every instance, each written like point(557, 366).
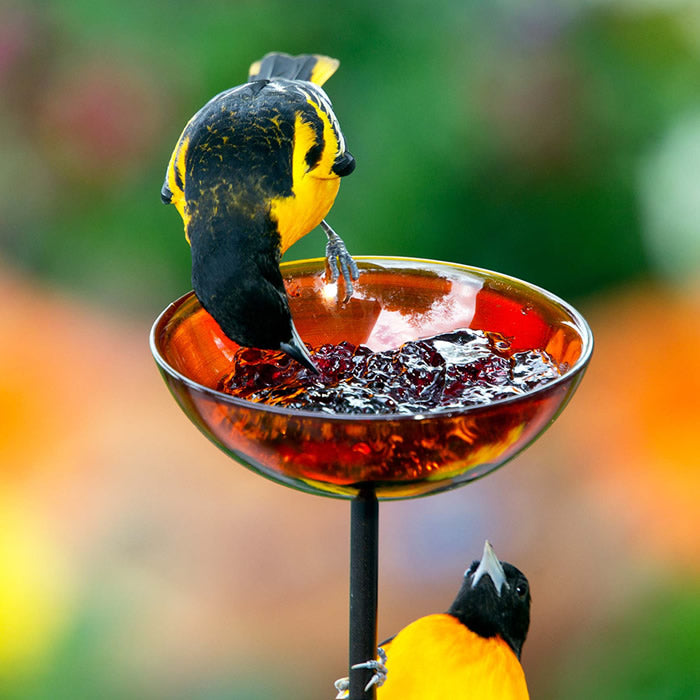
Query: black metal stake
point(364, 545)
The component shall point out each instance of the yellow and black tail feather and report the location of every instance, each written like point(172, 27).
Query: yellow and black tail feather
point(311, 67)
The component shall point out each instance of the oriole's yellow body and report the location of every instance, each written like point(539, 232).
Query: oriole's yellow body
point(438, 658)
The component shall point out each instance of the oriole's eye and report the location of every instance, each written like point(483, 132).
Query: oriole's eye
point(474, 566)
point(521, 590)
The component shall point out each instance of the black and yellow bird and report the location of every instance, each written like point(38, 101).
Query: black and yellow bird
point(254, 170)
point(472, 651)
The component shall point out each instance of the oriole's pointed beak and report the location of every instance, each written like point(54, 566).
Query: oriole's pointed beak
point(490, 565)
point(295, 348)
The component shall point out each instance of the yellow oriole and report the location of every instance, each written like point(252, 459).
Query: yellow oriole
point(472, 651)
point(254, 170)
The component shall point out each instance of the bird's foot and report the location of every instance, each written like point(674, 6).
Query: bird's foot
point(342, 685)
point(340, 261)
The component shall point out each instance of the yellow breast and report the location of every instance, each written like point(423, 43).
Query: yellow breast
point(438, 658)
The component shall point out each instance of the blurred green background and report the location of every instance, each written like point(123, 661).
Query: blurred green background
point(557, 142)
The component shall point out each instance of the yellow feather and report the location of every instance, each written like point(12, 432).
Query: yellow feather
point(324, 68)
point(254, 68)
point(176, 169)
point(439, 658)
point(314, 191)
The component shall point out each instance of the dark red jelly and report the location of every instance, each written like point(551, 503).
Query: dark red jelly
point(453, 370)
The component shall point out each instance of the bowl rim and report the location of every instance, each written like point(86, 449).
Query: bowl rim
point(581, 363)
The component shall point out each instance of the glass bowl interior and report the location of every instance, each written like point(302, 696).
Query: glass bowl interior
point(395, 300)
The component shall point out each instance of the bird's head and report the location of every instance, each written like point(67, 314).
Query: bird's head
point(494, 600)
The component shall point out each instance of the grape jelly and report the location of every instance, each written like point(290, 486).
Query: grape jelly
point(453, 370)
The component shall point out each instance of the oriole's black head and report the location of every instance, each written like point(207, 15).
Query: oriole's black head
point(494, 600)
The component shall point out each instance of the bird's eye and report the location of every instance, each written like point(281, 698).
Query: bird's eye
point(521, 590)
point(471, 569)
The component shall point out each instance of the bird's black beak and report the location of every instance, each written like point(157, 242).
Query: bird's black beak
point(295, 348)
point(490, 566)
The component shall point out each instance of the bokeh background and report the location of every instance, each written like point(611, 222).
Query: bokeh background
point(554, 141)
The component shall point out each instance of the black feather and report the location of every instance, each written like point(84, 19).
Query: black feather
point(282, 65)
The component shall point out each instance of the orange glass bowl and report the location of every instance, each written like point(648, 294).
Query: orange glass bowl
point(395, 300)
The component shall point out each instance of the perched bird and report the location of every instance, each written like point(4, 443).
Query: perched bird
point(254, 170)
point(472, 651)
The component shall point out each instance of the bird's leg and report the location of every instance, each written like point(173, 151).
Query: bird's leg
point(337, 253)
point(342, 685)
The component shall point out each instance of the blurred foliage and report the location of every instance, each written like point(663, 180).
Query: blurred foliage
point(85, 665)
point(648, 653)
point(507, 136)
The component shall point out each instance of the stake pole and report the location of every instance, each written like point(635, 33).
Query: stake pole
point(364, 564)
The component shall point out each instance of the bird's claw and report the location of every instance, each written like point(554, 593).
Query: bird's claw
point(340, 261)
point(342, 685)
point(379, 669)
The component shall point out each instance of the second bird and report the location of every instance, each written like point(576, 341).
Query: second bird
point(471, 652)
point(253, 171)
